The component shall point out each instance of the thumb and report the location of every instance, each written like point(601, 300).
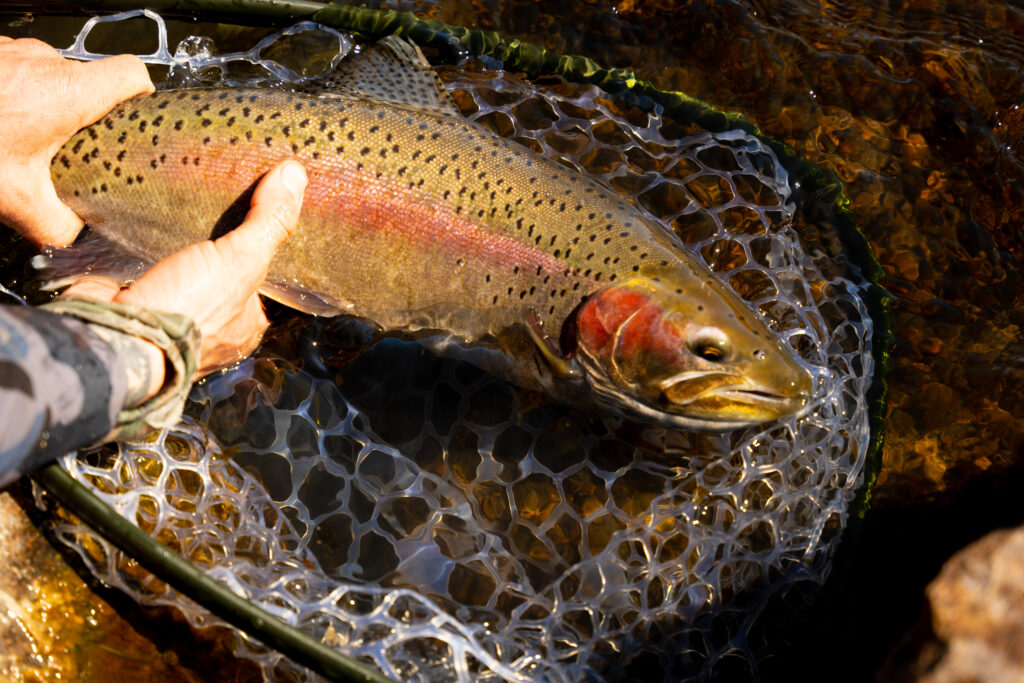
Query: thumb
point(273, 216)
point(123, 77)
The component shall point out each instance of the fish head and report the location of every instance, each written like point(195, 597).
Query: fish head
point(686, 356)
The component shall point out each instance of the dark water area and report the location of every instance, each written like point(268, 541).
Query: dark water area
point(916, 108)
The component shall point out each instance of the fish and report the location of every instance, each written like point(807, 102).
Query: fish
point(424, 222)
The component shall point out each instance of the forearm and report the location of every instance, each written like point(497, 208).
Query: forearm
point(63, 383)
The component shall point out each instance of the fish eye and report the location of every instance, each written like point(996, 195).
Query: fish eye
point(711, 345)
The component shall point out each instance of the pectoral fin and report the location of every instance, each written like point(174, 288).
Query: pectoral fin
point(560, 365)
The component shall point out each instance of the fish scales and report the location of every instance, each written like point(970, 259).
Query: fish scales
point(409, 217)
point(419, 219)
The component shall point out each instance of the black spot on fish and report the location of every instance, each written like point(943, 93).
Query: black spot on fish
point(117, 172)
point(245, 110)
point(94, 190)
point(275, 115)
point(339, 149)
point(287, 130)
point(178, 124)
point(232, 141)
point(156, 140)
point(268, 140)
point(222, 96)
point(205, 122)
point(206, 140)
point(342, 122)
point(248, 135)
point(351, 135)
point(130, 180)
point(163, 105)
point(103, 187)
point(153, 163)
point(133, 116)
point(106, 165)
point(230, 121)
point(222, 112)
point(64, 160)
point(109, 124)
point(195, 98)
point(298, 107)
point(77, 146)
point(308, 141)
point(295, 148)
point(259, 118)
point(364, 151)
point(195, 162)
point(303, 123)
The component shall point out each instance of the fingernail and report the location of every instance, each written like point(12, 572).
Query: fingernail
point(294, 178)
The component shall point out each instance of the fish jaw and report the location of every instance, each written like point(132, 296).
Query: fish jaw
point(686, 355)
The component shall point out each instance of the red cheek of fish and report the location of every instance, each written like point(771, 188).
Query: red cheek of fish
point(600, 317)
point(634, 329)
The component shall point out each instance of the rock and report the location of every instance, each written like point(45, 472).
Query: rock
point(974, 622)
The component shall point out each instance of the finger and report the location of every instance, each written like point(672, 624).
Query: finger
point(273, 216)
point(93, 287)
point(34, 210)
point(108, 82)
point(27, 46)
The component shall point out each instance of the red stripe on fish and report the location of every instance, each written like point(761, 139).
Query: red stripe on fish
point(416, 218)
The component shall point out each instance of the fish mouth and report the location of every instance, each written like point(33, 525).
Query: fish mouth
point(742, 395)
point(728, 398)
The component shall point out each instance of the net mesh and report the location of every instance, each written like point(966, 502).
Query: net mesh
point(422, 515)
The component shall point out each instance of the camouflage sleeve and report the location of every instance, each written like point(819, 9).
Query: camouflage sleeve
point(61, 387)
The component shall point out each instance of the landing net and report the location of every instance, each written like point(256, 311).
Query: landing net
point(441, 524)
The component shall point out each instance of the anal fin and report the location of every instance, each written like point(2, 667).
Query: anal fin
point(90, 256)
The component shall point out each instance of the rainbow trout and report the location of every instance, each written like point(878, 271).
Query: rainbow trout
point(422, 221)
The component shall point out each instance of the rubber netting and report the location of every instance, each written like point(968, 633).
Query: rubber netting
point(420, 514)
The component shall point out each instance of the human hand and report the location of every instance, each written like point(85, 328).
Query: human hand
point(44, 100)
point(214, 282)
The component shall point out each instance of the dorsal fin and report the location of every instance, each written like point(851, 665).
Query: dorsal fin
point(393, 70)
